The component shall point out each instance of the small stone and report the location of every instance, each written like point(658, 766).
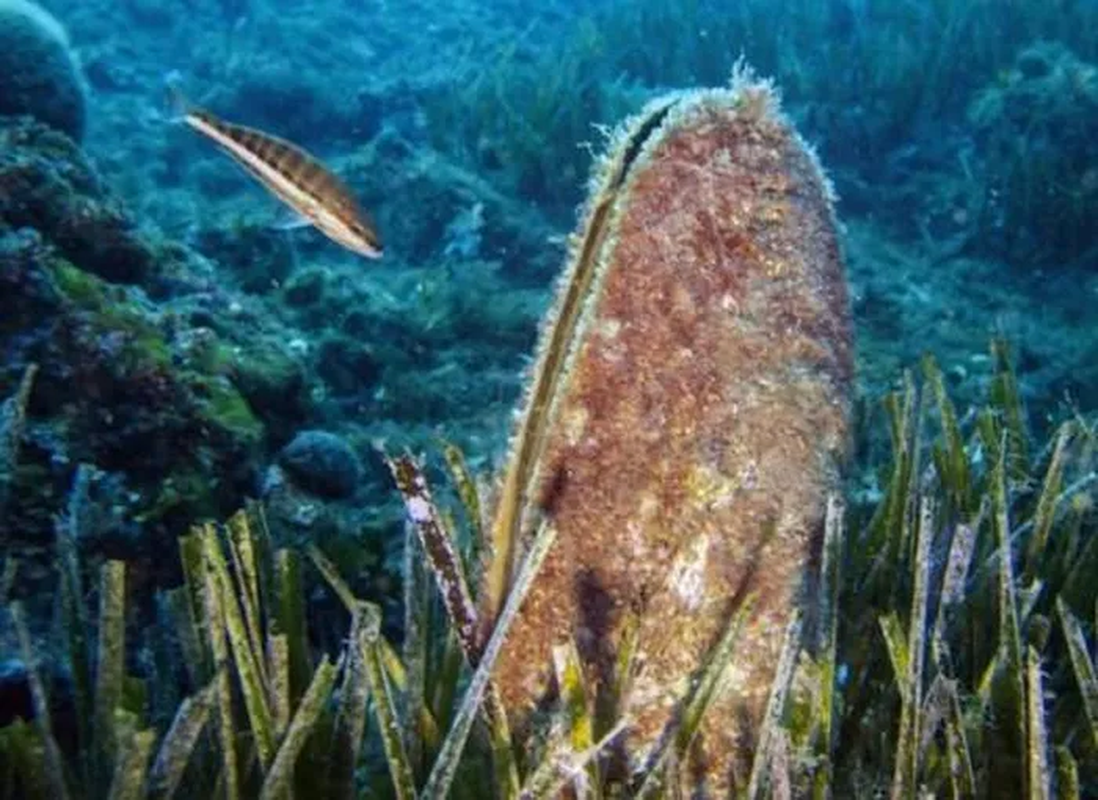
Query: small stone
point(322, 463)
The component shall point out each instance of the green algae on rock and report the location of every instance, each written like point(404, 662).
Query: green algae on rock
point(687, 416)
point(47, 183)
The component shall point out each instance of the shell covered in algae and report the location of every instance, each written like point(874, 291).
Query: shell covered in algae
point(684, 430)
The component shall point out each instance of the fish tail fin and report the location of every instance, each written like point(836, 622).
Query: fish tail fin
point(178, 104)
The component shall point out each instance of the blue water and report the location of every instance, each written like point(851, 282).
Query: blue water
point(192, 354)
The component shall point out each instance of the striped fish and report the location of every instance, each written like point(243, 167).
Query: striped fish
point(290, 174)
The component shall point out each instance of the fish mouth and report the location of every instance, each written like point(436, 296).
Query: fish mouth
point(344, 234)
point(368, 250)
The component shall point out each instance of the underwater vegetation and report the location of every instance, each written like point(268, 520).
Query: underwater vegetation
point(1038, 124)
point(868, 80)
point(963, 126)
point(172, 408)
point(950, 654)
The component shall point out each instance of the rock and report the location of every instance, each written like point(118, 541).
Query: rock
point(322, 463)
point(47, 184)
point(273, 383)
point(123, 385)
point(349, 368)
point(39, 74)
point(1035, 128)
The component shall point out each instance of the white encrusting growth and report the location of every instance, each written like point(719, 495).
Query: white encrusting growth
point(687, 574)
point(419, 510)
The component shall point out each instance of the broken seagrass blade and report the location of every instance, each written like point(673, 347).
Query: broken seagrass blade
point(685, 421)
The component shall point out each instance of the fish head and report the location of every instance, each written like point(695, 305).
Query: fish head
point(356, 232)
point(365, 240)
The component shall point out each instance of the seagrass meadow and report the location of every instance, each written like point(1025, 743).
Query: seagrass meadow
point(925, 627)
point(951, 657)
